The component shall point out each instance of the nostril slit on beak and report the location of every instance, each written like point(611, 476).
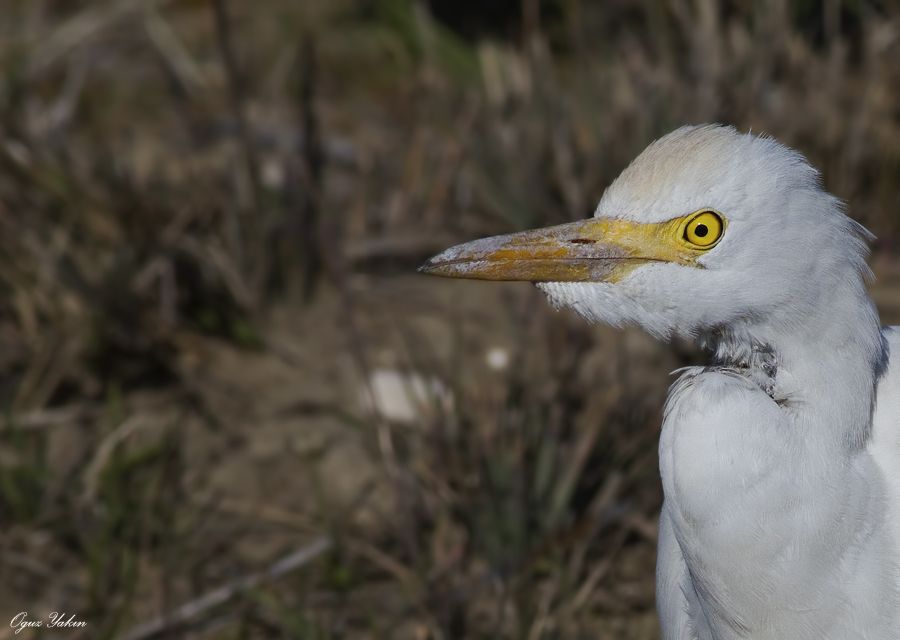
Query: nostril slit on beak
point(581, 241)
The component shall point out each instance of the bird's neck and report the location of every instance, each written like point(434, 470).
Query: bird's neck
point(780, 496)
point(823, 370)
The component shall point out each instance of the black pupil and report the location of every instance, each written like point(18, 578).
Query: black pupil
point(701, 231)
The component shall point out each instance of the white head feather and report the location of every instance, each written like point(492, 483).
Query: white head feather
point(787, 246)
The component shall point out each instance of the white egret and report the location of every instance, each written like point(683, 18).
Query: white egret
point(780, 460)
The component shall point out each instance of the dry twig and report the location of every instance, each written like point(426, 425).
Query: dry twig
point(167, 622)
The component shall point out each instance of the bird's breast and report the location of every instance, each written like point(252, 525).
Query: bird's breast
point(751, 501)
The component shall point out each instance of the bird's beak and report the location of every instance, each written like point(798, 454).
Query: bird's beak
point(592, 250)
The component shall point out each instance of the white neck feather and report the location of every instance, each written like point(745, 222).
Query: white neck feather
point(826, 368)
point(783, 498)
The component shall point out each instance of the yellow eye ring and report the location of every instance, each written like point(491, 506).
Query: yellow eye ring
point(704, 229)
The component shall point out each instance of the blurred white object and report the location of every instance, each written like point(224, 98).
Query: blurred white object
point(497, 358)
point(405, 397)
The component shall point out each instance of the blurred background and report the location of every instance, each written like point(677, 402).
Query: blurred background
point(230, 407)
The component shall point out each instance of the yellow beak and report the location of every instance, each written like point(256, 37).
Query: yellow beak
point(592, 250)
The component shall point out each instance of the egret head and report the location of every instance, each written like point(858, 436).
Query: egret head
point(707, 229)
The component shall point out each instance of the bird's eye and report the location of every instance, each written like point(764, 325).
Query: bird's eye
point(704, 229)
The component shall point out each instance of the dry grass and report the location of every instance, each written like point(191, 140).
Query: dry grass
point(210, 213)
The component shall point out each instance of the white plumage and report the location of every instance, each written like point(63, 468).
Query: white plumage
point(780, 460)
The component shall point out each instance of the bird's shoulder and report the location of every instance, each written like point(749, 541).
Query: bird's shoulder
point(711, 389)
point(886, 418)
point(884, 445)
